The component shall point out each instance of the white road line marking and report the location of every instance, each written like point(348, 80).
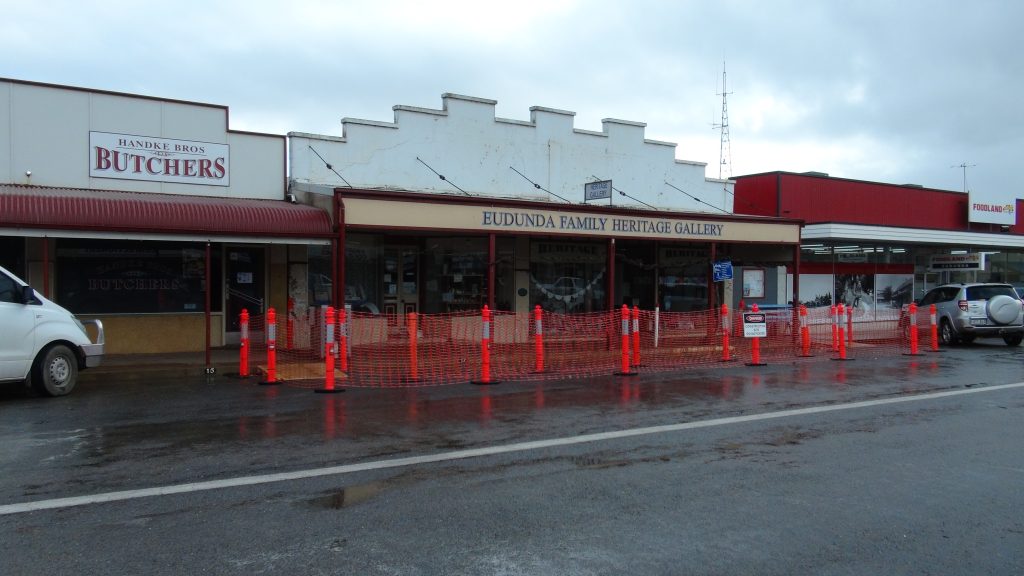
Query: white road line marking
point(471, 453)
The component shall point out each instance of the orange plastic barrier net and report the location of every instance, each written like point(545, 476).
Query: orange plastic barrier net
point(381, 350)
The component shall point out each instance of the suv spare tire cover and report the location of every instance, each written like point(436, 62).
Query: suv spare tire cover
point(1003, 309)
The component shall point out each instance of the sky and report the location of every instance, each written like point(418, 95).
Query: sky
point(904, 91)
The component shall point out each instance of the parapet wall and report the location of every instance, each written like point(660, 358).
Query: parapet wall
point(483, 155)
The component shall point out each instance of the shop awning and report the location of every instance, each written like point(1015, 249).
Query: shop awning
point(107, 211)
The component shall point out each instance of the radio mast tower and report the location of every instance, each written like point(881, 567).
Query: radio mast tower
point(724, 147)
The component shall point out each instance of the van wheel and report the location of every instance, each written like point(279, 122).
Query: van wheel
point(55, 371)
point(1013, 339)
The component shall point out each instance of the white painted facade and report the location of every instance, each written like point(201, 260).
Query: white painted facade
point(45, 131)
point(481, 153)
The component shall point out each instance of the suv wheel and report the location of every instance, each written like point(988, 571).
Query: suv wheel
point(946, 334)
point(1013, 339)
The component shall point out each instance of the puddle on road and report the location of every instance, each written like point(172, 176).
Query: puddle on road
point(349, 496)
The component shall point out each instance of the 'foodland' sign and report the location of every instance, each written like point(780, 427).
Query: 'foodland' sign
point(991, 209)
point(130, 157)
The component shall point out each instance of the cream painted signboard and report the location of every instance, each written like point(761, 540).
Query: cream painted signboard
point(423, 215)
point(132, 157)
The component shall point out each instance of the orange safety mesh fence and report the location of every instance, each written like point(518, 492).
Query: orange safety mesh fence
point(387, 350)
point(299, 348)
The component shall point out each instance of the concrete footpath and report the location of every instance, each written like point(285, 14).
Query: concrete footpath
point(171, 364)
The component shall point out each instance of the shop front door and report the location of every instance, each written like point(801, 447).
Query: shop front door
point(245, 282)
point(400, 278)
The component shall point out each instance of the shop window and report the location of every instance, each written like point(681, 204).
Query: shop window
point(112, 277)
point(455, 274)
point(361, 276)
point(568, 276)
point(815, 252)
point(1011, 268)
point(12, 255)
point(683, 278)
point(504, 274)
point(318, 275)
point(635, 274)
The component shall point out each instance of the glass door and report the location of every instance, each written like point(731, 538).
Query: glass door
point(245, 280)
point(400, 281)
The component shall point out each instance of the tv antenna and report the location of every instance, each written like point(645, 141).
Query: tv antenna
point(724, 146)
point(964, 166)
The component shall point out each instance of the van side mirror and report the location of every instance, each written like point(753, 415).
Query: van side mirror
point(28, 295)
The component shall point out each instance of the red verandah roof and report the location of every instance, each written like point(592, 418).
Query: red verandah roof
point(113, 211)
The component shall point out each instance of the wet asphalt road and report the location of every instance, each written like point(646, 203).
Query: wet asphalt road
point(929, 486)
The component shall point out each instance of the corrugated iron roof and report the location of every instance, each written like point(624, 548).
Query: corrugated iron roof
point(108, 210)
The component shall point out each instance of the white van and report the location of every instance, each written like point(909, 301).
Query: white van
point(42, 342)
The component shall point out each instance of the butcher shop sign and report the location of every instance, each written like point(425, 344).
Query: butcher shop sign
point(131, 157)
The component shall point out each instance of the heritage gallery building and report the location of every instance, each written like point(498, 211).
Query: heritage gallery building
point(449, 210)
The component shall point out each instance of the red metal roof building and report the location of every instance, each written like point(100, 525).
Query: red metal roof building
point(872, 228)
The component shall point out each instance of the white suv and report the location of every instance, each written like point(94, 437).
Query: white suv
point(976, 310)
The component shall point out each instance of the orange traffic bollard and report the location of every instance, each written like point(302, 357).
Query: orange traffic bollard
point(935, 328)
point(755, 343)
point(243, 353)
point(625, 344)
point(538, 338)
point(329, 352)
point(805, 333)
point(485, 350)
point(912, 320)
point(725, 332)
point(485, 346)
point(271, 348)
point(636, 336)
point(842, 337)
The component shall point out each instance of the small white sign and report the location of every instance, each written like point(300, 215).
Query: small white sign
point(597, 190)
point(755, 325)
point(131, 157)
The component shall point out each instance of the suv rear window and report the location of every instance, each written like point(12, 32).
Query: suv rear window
point(989, 292)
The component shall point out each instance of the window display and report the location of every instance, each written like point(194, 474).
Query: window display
point(456, 274)
point(568, 276)
point(110, 277)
